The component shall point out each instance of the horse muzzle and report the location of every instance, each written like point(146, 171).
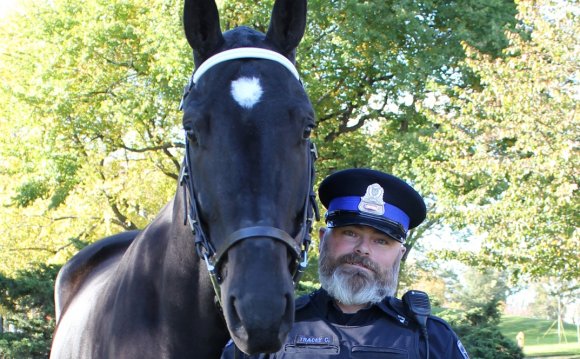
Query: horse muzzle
point(257, 297)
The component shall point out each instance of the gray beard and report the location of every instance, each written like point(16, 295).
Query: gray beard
point(352, 286)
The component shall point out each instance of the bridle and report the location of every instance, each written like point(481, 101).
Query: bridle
point(212, 256)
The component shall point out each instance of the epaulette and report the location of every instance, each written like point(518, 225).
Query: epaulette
point(397, 305)
point(396, 309)
point(433, 318)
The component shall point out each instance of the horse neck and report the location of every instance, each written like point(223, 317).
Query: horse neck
point(185, 294)
point(182, 267)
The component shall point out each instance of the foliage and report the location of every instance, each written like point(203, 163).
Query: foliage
point(90, 119)
point(28, 300)
point(480, 296)
point(479, 332)
point(477, 288)
point(504, 160)
point(544, 306)
point(425, 276)
point(94, 113)
point(487, 342)
point(553, 296)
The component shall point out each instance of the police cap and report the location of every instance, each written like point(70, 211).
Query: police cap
point(372, 198)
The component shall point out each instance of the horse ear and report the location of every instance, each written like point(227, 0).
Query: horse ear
point(287, 24)
point(202, 28)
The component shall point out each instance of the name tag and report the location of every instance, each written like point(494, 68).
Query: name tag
point(312, 340)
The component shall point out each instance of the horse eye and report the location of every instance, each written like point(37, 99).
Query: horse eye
point(191, 136)
point(307, 131)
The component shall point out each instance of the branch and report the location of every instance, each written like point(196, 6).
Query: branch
point(175, 163)
point(163, 147)
point(415, 235)
point(345, 116)
point(43, 249)
point(121, 220)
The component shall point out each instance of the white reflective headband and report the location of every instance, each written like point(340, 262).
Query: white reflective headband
point(243, 53)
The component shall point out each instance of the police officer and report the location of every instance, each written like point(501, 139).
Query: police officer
point(355, 313)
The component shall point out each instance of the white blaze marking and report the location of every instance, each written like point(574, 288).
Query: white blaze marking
point(247, 91)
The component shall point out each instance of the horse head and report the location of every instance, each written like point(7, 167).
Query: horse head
point(249, 166)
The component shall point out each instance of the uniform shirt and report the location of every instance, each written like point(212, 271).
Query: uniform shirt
point(384, 330)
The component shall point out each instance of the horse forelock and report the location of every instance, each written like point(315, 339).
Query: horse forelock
point(243, 36)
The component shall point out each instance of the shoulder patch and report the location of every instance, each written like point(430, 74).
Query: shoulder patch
point(462, 349)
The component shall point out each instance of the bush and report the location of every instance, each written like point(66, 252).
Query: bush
point(28, 302)
point(19, 345)
point(479, 332)
point(487, 342)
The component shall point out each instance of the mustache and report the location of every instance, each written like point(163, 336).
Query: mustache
point(353, 258)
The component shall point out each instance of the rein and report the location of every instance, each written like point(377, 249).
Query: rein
point(212, 256)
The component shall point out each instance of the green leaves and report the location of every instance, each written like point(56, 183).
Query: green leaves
point(507, 155)
point(91, 118)
point(425, 90)
point(28, 297)
point(30, 191)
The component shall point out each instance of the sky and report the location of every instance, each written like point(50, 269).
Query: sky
point(6, 6)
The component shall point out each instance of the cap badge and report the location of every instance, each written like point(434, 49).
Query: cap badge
point(372, 202)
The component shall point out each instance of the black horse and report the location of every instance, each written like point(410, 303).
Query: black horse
point(239, 223)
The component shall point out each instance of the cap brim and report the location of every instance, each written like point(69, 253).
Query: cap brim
point(344, 218)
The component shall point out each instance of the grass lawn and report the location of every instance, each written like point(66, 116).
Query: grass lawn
point(541, 336)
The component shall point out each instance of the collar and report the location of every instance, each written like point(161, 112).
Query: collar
point(323, 302)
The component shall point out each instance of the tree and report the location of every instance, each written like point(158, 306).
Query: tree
point(480, 297)
point(28, 299)
point(552, 297)
point(503, 161)
point(480, 293)
point(425, 276)
point(94, 142)
point(91, 120)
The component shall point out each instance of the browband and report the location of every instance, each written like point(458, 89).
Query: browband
point(244, 53)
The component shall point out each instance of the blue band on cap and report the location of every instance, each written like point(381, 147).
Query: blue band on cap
point(351, 203)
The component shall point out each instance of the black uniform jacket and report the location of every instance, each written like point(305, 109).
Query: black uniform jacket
point(385, 330)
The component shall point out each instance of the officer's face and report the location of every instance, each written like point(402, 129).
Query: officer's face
point(359, 264)
point(365, 241)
